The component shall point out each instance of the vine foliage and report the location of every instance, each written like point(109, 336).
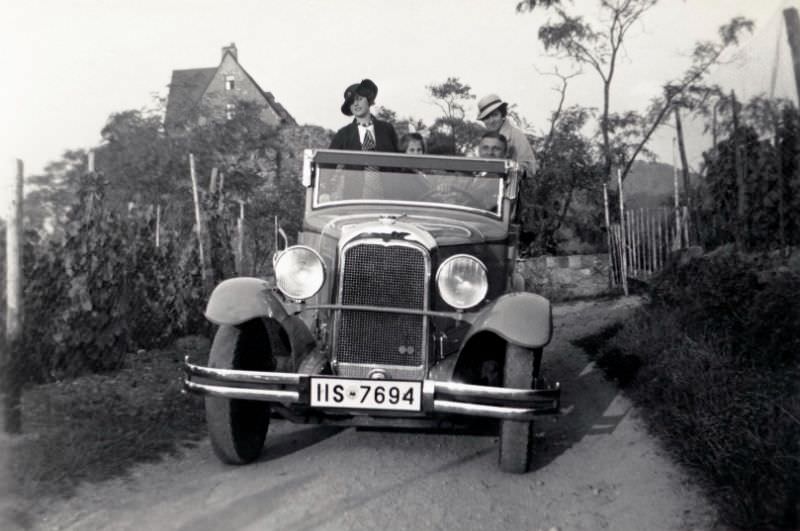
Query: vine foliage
point(102, 289)
point(768, 170)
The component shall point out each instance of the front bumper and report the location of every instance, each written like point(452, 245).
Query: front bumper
point(439, 397)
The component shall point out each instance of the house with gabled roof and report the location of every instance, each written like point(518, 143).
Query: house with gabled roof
point(198, 94)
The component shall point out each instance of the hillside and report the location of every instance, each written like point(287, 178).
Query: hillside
point(650, 184)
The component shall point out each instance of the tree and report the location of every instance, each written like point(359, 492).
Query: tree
point(452, 132)
point(401, 125)
point(139, 161)
point(623, 135)
point(567, 182)
point(54, 191)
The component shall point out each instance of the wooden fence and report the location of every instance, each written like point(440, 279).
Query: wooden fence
point(640, 245)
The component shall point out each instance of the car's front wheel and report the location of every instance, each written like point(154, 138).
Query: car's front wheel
point(516, 437)
point(238, 428)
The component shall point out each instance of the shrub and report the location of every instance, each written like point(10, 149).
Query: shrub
point(721, 298)
point(716, 376)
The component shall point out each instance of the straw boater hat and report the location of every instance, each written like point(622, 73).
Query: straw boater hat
point(366, 88)
point(488, 104)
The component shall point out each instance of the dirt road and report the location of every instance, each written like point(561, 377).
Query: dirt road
point(596, 468)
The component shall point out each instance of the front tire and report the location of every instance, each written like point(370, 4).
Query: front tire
point(238, 428)
point(516, 437)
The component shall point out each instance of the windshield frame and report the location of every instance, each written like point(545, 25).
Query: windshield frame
point(507, 171)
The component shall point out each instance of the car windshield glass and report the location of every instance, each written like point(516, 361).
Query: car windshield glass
point(364, 184)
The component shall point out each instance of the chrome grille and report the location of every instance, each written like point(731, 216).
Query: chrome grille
point(379, 274)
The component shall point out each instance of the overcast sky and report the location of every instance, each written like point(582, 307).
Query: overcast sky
point(68, 64)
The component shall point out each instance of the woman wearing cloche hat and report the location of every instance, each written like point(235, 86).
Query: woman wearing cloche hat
point(493, 112)
point(365, 132)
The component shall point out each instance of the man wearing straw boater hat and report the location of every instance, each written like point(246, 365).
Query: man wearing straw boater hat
point(365, 132)
point(493, 112)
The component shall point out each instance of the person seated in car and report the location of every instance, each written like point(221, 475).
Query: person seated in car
point(413, 144)
point(493, 112)
point(492, 145)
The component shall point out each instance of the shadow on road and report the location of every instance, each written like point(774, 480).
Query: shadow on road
point(587, 396)
point(287, 443)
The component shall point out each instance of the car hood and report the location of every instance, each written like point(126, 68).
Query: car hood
point(452, 229)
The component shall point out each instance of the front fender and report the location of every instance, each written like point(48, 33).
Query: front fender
point(237, 300)
point(522, 318)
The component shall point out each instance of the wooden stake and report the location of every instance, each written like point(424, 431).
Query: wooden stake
point(675, 192)
point(158, 225)
point(741, 192)
point(197, 219)
point(684, 161)
point(13, 392)
point(240, 239)
point(212, 182)
point(623, 237)
point(608, 235)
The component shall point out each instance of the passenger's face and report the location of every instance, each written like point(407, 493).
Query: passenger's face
point(360, 106)
point(491, 148)
point(494, 121)
point(414, 147)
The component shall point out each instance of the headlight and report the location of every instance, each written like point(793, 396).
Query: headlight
point(462, 281)
point(299, 272)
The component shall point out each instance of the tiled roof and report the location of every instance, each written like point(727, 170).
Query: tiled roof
point(185, 90)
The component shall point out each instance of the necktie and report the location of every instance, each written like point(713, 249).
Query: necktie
point(369, 142)
point(373, 189)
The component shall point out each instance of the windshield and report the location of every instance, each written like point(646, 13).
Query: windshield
point(481, 191)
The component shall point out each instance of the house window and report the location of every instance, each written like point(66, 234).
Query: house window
point(229, 82)
point(230, 109)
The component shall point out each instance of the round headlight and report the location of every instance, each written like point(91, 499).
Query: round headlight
point(299, 272)
point(462, 281)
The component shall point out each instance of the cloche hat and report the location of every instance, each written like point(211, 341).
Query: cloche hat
point(366, 88)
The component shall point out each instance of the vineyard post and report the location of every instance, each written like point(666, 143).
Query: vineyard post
point(12, 416)
point(158, 225)
point(676, 243)
point(741, 196)
point(608, 235)
point(197, 218)
point(623, 237)
point(240, 239)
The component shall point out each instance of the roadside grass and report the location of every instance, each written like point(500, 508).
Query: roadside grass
point(719, 384)
point(97, 427)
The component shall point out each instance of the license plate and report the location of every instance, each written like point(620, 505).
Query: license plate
point(366, 394)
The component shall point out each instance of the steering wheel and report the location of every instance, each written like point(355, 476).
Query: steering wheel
point(452, 195)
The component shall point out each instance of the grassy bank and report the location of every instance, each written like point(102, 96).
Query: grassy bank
point(714, 364)
point(97, 427)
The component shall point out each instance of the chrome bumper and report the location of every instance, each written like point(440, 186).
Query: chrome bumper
point(291, 389)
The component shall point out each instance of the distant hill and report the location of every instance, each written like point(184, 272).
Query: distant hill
point(650, 184)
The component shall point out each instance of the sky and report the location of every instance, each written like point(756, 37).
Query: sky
point(69, 64)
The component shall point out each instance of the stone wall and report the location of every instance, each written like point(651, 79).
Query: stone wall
point(566, 277)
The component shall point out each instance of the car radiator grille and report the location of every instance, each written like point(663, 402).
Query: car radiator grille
point(382, 275)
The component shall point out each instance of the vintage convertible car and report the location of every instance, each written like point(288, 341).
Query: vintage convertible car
point(399, 306)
